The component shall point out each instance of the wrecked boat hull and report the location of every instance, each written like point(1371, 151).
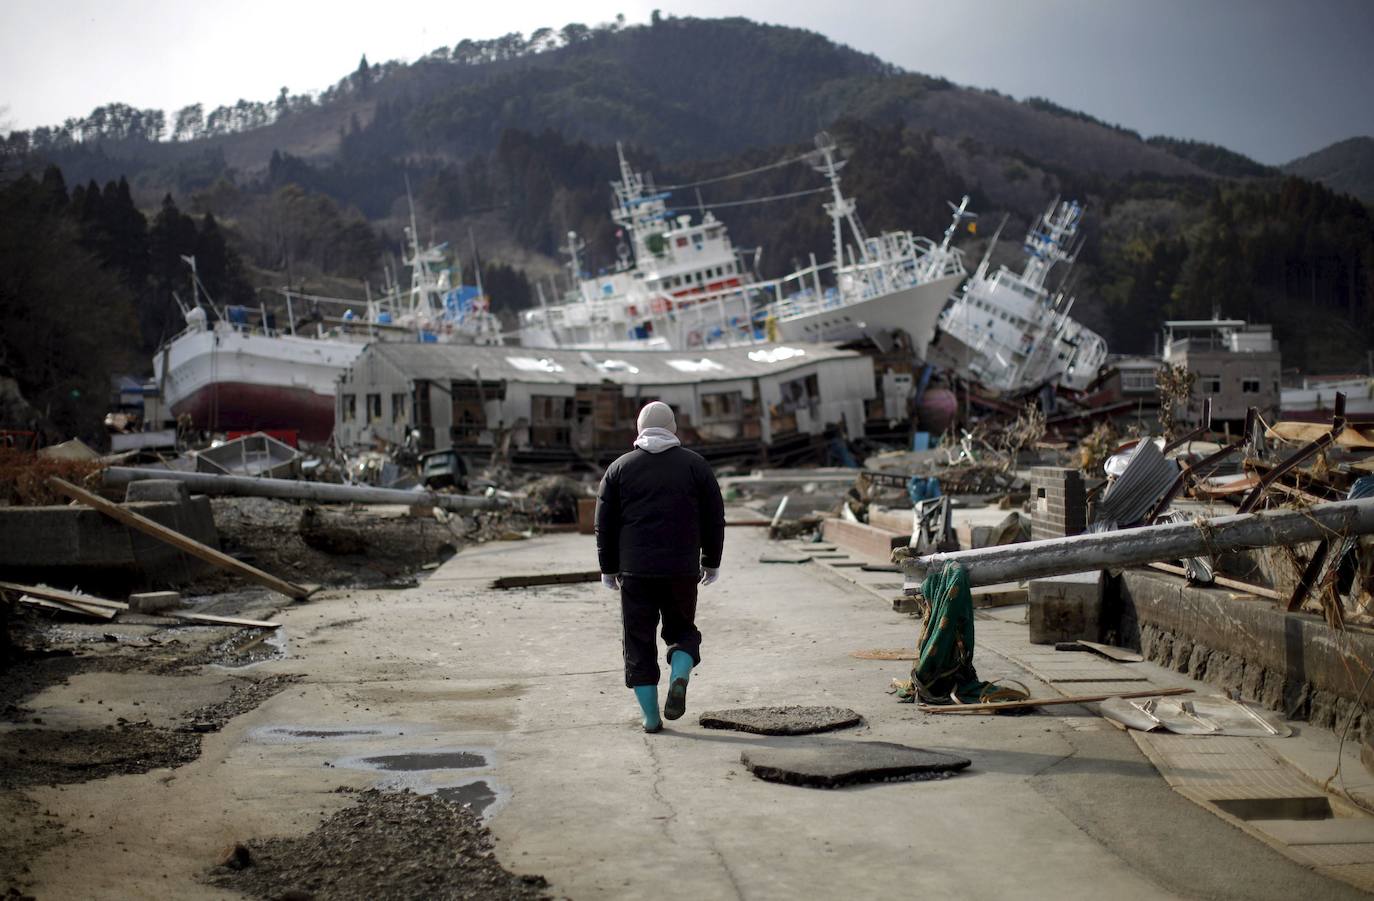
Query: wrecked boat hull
point(243, 406)
point(913, 310)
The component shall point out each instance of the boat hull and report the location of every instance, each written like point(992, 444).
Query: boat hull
point(227, 380)
point(914, 310)
point(243, 406)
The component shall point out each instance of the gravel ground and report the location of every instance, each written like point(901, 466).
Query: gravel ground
point(388, 845)
point(59, 756)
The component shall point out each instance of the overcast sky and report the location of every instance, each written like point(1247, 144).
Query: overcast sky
point(1274, 79)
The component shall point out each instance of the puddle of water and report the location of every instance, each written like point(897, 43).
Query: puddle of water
point(327, 733)
point(437, 760)
point(296, 732)
point(475, 796)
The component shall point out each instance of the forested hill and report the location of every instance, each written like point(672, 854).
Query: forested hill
point(512, 141)
point(1346, 166)
point(687, 88)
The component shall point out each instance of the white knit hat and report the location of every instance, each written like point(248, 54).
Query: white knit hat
point(657, 415)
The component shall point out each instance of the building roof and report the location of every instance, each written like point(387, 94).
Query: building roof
point(578, 367)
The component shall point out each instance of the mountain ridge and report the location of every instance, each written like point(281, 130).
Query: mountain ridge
point(1346, 166)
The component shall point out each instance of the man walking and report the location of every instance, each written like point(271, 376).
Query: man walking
point(660, 529)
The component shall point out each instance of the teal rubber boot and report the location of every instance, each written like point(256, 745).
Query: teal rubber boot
point(647, 696)
point(676, 705)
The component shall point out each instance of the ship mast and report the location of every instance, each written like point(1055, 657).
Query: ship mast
point(1047, 242)
point(841, 208)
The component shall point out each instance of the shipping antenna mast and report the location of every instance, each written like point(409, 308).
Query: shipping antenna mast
point(841, 209)
point(574, 247)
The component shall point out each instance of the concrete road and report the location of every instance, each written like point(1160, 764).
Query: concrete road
point(1054, 806)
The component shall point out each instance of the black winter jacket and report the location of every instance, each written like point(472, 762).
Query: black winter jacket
point(659, 515)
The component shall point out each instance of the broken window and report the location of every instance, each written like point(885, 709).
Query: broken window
point(1209, 384)
point(374, 408)
point(1250, 386)
point(350, 407)
point(551, 420)
point(1138, 381)
point(398, 408)
point(721, 416)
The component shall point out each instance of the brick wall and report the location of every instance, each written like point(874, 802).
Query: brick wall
point(1059, 504)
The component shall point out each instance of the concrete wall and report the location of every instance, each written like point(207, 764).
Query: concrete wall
point(1291, 662)
point(78, 546)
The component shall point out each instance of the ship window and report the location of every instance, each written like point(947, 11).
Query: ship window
point(350, 407)
point(1250, 386)
point(374, 407)
point(1209, 384)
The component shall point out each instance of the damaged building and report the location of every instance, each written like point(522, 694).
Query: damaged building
point(539, 404)
point(1235, 364)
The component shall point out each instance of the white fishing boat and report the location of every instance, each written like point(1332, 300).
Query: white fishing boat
point(681, 284)
point(1011, 333)
point(240, 370)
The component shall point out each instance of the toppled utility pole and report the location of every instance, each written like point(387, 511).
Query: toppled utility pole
point(324, 492)
point(1148, 544)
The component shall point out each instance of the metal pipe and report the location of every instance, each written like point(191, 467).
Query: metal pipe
point(1149, 544)
point(325, 492)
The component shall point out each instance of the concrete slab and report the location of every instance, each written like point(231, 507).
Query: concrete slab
point(1066, 608)
point(781, 720)
point(834, 764)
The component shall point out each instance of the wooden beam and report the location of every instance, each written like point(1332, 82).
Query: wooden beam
point(1120, 655)
point(1047, 702)
point(52, 594)
point(176, 539)
point(1246, 587)
point(547, 579)
point(221, 620)
point(101, 613)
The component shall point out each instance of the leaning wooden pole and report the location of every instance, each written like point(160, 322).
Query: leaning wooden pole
point(324, 492)
point(176, 539)
point(1148, 544)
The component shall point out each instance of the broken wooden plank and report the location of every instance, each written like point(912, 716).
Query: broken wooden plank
point(547, 579)
point(53, 594)
point(1120, 655)
point(1256, 590)
point(100, 613)
point(176, 539)
point(221, 620)
point(1048, 702)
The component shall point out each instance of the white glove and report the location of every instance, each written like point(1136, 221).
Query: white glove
point(611, 581)
point(708, 575)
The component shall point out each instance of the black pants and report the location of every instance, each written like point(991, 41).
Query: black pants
point(643, 600)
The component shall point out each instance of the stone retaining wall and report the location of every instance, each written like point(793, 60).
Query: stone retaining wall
point(1290, 662)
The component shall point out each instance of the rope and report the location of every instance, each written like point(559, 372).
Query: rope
point(729, 203)
point(747, 172)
